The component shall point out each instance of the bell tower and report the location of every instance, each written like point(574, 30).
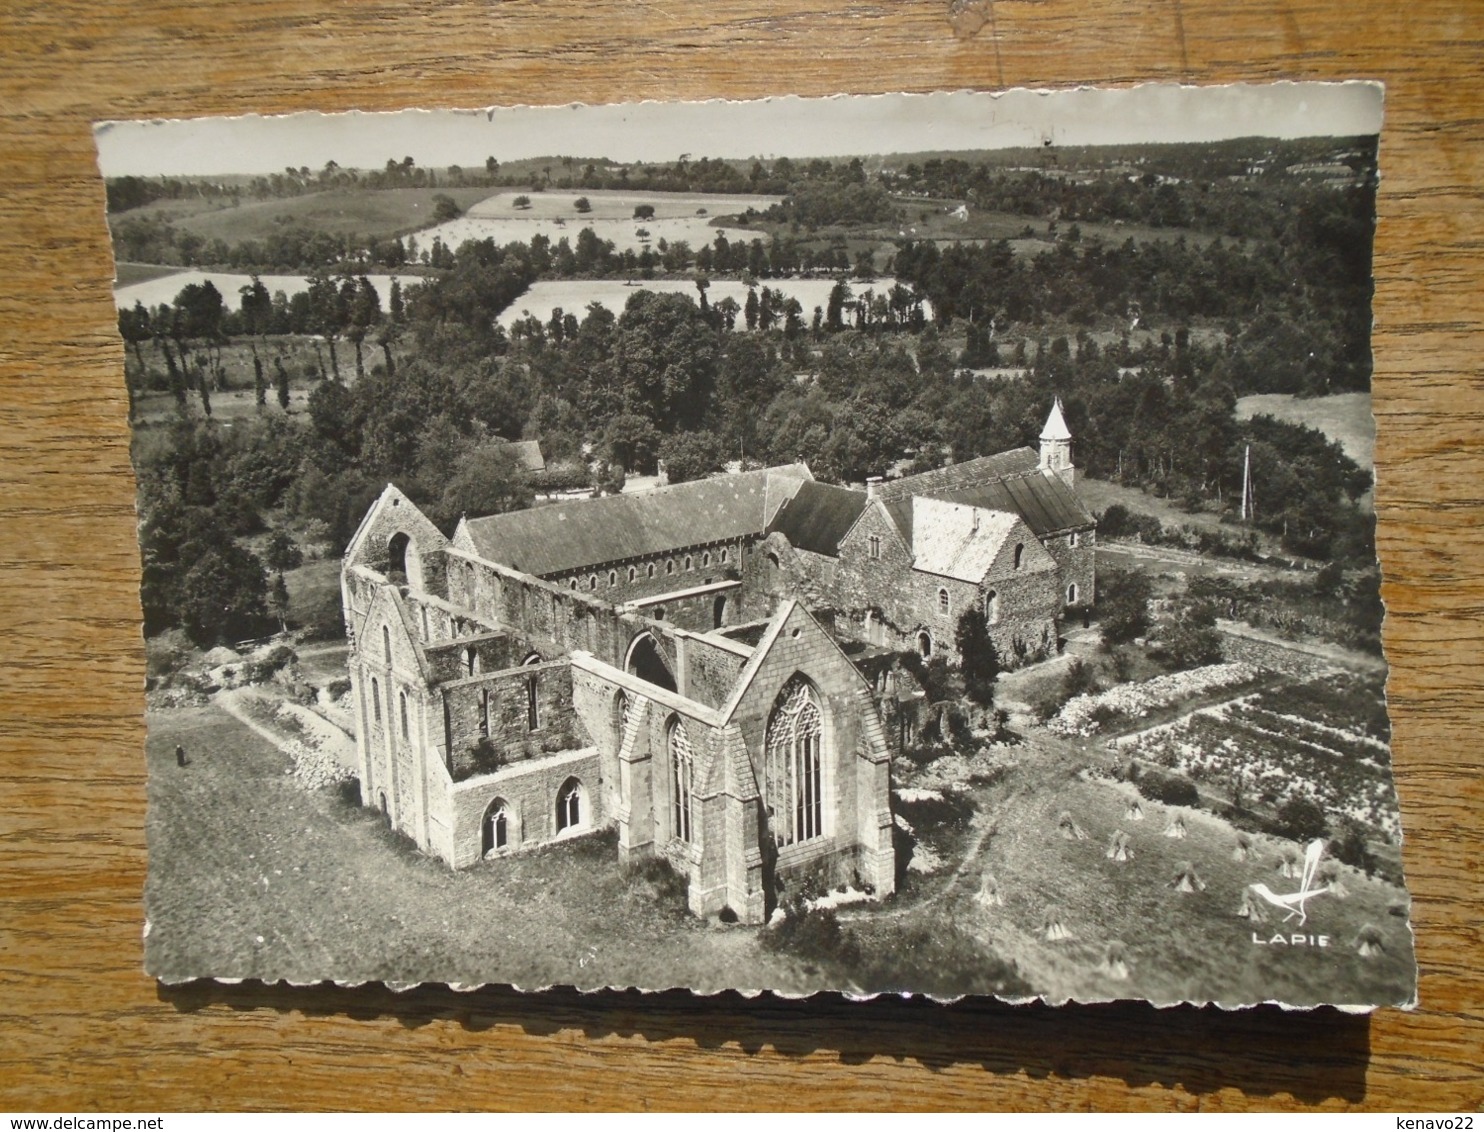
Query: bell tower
point(1056, 447)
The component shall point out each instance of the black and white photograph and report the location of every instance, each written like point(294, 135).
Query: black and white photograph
point(914, 544)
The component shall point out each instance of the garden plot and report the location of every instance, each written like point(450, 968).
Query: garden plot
point(1244, 747)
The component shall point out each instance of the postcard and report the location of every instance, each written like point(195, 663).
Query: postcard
point(894, 544)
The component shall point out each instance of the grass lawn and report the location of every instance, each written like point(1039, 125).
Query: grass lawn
point(251, 876)
point(338, 212)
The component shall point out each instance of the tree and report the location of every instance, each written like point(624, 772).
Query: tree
point(278, 601)
point(1123, 605)
point(445, 208)
point(644, 212)
point(281, 376)
point(582, 204)
point(222, 596)
point(1191, 640)
point(977, 659)
point(489, 480)
point(521, 201)
point(631, 441)
point(282, 552)
point(692, 456)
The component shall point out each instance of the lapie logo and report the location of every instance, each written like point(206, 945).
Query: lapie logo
point(1295, 904)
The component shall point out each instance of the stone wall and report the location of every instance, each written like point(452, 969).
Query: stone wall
point(529, 791)
point(497, 706)
point(1075, 565)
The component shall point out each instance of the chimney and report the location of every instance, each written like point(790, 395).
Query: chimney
point(873, 485)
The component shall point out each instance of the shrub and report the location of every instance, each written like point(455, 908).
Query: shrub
point(1301, 818)
point(813, 935)
point(1352, 847)
point(1164, 786)
point(265, 668)
point(928, 815)
point(486, 756)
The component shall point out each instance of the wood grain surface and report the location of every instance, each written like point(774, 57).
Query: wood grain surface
point(82, 1027)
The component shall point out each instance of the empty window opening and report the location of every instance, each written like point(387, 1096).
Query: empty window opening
point(1072, 540)
point(706, 559)
point(471, 661)
point(682, 781)
point(992, 607)
point(925, 644)
point(875, 544)
point(793, 777)
point(646, 662)
point(1019, 553)
point(670, 566)
point(386, 645)
point(650, 569)
point(719, 612)
point(375, 700)
point(592, 581)
point(406, 730)
point(633, 573)
point(613, 577)
point(484, 713)
point(688, 562)
point(533, 706)
point(396, 550)
point(724, 554)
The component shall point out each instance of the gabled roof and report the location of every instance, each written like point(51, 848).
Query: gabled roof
point(562, 537)
point(957, 541)
point(967, 474)
point(818, 516)
point(1044, 501)
point(528, 452)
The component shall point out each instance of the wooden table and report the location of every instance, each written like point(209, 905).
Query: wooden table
point(83, 1028)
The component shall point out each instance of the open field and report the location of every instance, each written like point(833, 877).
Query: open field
point(1343, 417)
point(251, 875)
point(129, 274)
point(1177, 946)
point(677, 216)
point(340, 212)
point(163, 289)
point(574, 295)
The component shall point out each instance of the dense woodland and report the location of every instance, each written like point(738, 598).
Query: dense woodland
point(1148, 343)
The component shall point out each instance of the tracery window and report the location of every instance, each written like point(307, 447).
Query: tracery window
point(569, 805)
point(793, 778)
point(682, 781)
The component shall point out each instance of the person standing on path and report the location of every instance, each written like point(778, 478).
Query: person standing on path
point(180, 755)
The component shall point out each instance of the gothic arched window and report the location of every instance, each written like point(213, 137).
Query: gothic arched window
point(992, 607)
point(569, 805)
point(943, 605)
point(405, 729)
point(386, 645)
point(1019, 553)
point(376, 699)
point(793, 772)
point(682, 780)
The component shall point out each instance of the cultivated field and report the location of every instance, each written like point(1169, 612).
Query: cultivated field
point(677, 216)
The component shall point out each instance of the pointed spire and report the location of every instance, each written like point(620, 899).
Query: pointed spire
point(1056, 424)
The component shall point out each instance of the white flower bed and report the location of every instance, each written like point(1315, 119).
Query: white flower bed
point(1136, 700)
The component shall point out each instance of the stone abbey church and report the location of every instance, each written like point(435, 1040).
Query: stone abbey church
point(708, 667)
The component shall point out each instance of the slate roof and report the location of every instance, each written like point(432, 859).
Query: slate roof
point(1011, 481)
point(818, 515)
point(1045, 502)
point(950, 543)
point(1014, 462)
point(1056, 424)
point(563, 537)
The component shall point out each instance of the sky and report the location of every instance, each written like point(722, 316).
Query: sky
point(845, 125)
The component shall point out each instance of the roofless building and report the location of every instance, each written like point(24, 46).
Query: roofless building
point(687, 664)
